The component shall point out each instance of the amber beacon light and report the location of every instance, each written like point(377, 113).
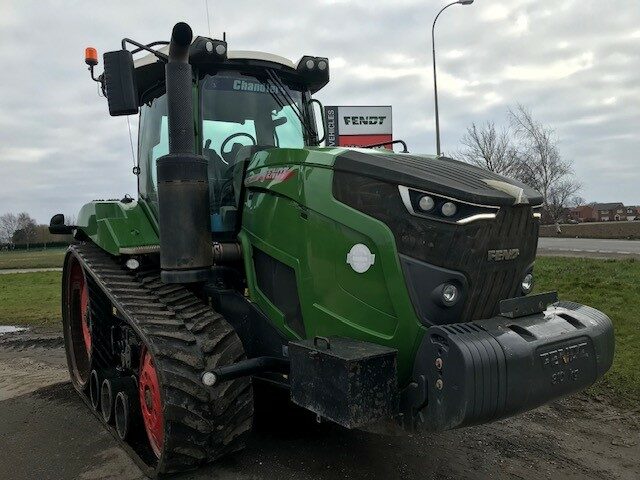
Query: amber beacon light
point(91, 56)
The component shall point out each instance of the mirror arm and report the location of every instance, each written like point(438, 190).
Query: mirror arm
point(161, 56)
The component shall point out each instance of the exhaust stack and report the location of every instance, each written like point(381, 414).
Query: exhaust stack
point(183, 186)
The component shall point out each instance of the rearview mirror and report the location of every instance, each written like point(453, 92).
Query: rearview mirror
point(120, 83)
point(319, 114)
point(57, 226)
point(280, 121)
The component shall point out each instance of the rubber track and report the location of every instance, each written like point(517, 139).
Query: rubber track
point(185, 337)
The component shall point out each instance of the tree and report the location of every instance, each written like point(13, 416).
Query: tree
point(577, 201)
point(8, 226)
point(26, 231)
point(540, 163)
point(489, 148)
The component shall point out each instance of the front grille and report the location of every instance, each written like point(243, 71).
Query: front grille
point(463, 248)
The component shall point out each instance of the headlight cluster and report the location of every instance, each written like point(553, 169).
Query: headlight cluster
point(438, 207)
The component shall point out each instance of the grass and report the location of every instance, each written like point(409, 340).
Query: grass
point(30, 298)
point(612, 286)
point(49, 258)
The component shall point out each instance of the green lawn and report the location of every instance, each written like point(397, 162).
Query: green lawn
point(612, 286)
point(51, 257)
point(30, 298)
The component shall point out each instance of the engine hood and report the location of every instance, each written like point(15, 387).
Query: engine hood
point(438, 175)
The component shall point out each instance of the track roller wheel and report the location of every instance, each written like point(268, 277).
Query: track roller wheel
point(76, 322)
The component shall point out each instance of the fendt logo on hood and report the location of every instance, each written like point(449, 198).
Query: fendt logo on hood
point(358, 120)
point(504, 254)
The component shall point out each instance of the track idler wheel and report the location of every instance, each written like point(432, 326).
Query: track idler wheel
point(76, 322)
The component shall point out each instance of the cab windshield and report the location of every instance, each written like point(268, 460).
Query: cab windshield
point(240, 110)
point(240, 113)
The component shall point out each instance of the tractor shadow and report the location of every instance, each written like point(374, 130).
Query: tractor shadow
point(288, 442)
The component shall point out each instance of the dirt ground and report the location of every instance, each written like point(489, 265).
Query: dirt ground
point(46, 432)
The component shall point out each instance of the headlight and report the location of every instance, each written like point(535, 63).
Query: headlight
point(132, 264)
point(450, 294)
point(437, 207)
point(426, 203)
point(310, 64)
point(527, 283)
point(449, 209)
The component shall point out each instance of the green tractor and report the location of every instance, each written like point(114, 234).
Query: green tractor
point(371, 285)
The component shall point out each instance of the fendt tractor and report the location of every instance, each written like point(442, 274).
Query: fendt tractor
point(371, 287)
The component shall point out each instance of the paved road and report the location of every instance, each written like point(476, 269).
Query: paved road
point(8, 271)
point(589, 247)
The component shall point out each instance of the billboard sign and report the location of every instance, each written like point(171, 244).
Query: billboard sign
point(350, 126)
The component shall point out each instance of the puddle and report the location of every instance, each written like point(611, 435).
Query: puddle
point(11, 329)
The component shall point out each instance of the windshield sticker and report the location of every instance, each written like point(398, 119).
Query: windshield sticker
point(230, 84)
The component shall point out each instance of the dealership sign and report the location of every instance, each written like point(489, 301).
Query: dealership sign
point(358, 126)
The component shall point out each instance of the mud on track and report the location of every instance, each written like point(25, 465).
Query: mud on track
point(47, 433)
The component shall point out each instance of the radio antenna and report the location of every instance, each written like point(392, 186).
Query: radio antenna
point(206, 6)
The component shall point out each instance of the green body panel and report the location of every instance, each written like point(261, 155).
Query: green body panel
point(291, 214)
point(113, 225)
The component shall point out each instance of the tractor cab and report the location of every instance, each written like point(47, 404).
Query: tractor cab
point(243, 102)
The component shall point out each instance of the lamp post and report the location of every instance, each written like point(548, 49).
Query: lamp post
point(435, 82)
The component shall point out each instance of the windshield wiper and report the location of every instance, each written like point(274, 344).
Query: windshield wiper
point(282, 89)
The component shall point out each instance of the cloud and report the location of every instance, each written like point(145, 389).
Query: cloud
point(550, 71)
point(576, 64)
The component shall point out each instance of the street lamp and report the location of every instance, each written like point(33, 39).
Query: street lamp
point(435, 83)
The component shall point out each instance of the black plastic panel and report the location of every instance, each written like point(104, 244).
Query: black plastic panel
point(423, 281)
point(277, 282)
point(441, 175)
point(462, 248)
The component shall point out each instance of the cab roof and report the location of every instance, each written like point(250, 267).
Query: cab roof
point(232, 55)
point(149, 70)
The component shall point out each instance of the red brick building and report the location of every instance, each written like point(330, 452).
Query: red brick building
point(583, 213)
point(610, 212)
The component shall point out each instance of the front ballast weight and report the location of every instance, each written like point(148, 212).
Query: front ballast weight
point(464, 373)
point(346, 381)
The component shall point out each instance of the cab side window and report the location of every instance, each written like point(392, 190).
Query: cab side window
point(153, 144)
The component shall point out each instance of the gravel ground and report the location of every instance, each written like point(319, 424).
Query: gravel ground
point(46, 432)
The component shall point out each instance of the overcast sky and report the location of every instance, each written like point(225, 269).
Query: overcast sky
point(575, 64)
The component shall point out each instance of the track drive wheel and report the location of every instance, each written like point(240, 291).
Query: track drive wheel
point(151, 402)
point(76, 322)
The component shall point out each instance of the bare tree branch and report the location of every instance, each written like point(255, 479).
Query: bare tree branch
point(486, 147)
point(541, 164)
point(8, 226)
